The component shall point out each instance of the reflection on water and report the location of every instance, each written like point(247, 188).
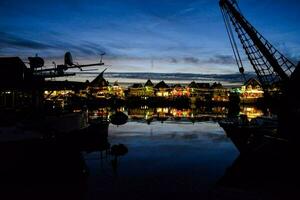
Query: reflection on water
point(162, 114)
point(251, 112)
point(183, 157)
point(170, 160)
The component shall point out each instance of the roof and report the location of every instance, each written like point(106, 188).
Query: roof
point(199, 85)
point(116, 83)
point(149, 83)
point(161, 84)
point(137, 85)
point(193, 85)
point(216, 85)
point(203, 85)
point(99, 81)
point(253, 82)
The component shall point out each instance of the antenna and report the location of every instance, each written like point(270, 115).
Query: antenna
point(102, 54)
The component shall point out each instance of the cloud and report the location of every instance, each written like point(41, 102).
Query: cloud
point(89, 48)
point(291, 55)
point(294, 59)
point(173, 60)
point(222, 59)
point(179, 35)
point(191, 60)
point(9, 40)
point(13, 43)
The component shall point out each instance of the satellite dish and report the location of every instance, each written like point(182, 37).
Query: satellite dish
point(68, 59)
point(36, 62)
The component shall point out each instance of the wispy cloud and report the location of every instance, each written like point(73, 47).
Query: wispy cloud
point(179, 35)
point(191, 60)
point(9, 40)
point(222, 59)
point(173, 60)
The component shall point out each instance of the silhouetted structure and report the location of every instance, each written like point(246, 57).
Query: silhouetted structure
point(272, 67)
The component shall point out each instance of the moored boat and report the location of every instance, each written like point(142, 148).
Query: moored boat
point(249, 136)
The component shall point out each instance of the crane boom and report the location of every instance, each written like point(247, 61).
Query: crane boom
point(269, 64)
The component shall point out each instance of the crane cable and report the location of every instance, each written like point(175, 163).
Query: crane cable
point(233, 44)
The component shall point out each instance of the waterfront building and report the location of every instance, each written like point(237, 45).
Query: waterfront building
point(117, 90)
point(219, 93)
point(149, 89)
point(193, 89)
point(251, 91)
point(180, 91)
point(99, 87)
point(162, 89)
point(200, 91)
point(136, 90)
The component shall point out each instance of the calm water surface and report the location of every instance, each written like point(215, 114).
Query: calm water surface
point(164, 160)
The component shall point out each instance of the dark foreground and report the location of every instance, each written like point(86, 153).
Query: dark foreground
point(164, 161)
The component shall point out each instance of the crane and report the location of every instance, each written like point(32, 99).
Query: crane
point(271, 66)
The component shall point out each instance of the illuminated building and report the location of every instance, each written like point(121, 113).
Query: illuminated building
point(251, 91)
point(149, 89)
point(58, 93)
point(219, 93)
point(200, 91)
point(162, 89)
point(117, 90)
point(99, 87)
point(136, 90)
point(179, 91)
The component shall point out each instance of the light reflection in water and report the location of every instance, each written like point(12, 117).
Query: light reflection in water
point(172, 157)
point(251, 112)
point(162, 114)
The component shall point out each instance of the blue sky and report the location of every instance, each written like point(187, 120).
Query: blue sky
point(142, 35)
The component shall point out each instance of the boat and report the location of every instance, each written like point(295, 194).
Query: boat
point(24, 113)
point(249, 136)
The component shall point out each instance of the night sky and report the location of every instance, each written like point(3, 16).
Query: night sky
point(142, 35)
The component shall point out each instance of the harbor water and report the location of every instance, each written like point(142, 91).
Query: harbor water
point(169, 159)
